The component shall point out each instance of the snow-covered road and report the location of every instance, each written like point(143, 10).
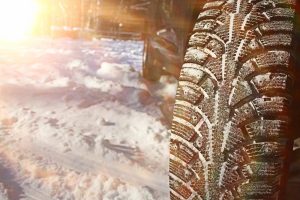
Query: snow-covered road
point(78, 122)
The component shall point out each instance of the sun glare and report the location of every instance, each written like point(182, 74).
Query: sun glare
point(17, 18)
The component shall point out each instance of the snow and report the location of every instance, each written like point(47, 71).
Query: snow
point(77, 121)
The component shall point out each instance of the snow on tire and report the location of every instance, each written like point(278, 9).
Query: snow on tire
point(230, 133)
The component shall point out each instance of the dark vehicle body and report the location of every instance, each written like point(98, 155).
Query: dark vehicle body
point(124, 19)
point(164, 26)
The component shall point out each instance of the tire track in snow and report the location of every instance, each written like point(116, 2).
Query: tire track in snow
point(85, 164)
point(32, 193)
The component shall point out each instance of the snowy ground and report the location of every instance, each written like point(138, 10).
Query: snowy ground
point(78, 122)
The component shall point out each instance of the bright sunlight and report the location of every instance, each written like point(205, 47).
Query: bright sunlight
point(17, 18)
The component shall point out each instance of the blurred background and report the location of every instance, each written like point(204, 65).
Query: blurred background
point(73, 18)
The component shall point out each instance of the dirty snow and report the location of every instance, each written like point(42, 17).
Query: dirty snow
point(77, 121)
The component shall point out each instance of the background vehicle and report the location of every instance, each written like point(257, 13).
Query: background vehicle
point(164, 25)
point(122, 19)
point(170, 21)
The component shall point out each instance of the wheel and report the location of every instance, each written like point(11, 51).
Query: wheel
point(152, 68)
point(231, 136)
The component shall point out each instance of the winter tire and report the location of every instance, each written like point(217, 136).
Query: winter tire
point(231, 132)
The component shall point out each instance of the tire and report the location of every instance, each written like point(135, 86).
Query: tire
point(231, 136)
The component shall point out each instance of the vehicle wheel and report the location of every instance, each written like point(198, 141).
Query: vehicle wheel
point(152, 68)
point(231, 132)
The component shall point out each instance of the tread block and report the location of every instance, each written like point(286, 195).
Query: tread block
point(235, 138)
point(182, 151)
point(207, 107)
point(246, 171)
point(196, 197)
point(262, 170)
point(263, 5)
point(243, 113)
point(194, 55)
point(262, 189)
point(280, 13)
point(265, 150)
point(241, 90)
point(190, 93)
point(270, 82)
point(180, 188)
point(198, 180)
point(252, 46)
point(214, 66)
point(271, 105)
point(180, 171)
point(216, 47)
point(205, 25)
point(213, 4)
point(209, 87)
point(255, 17)
point(190, 73)
point(173, 196)
point(187, 114)
point(223, 17)
point(228, 195)
point(273, 59)
point(247, 69)
point(199, 39)
point(201, 142)
point(237, 158)
point(209, 14)
point(267, 129)
point(276, 26)
point(223, 32)
point(183, 131)
point(198, 185)
point(229, 7)
point(198, 169)
point(276, 40)
point(245, 49)
point(284, 2)
point(229, 177)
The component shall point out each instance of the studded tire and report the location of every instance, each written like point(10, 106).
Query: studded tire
point(231, 131)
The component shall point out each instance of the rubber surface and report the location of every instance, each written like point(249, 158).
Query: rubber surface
point(231, 122)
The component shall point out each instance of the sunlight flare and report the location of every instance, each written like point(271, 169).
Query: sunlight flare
point(17, 18)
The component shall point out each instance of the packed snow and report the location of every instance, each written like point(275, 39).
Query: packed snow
point(78, 122)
